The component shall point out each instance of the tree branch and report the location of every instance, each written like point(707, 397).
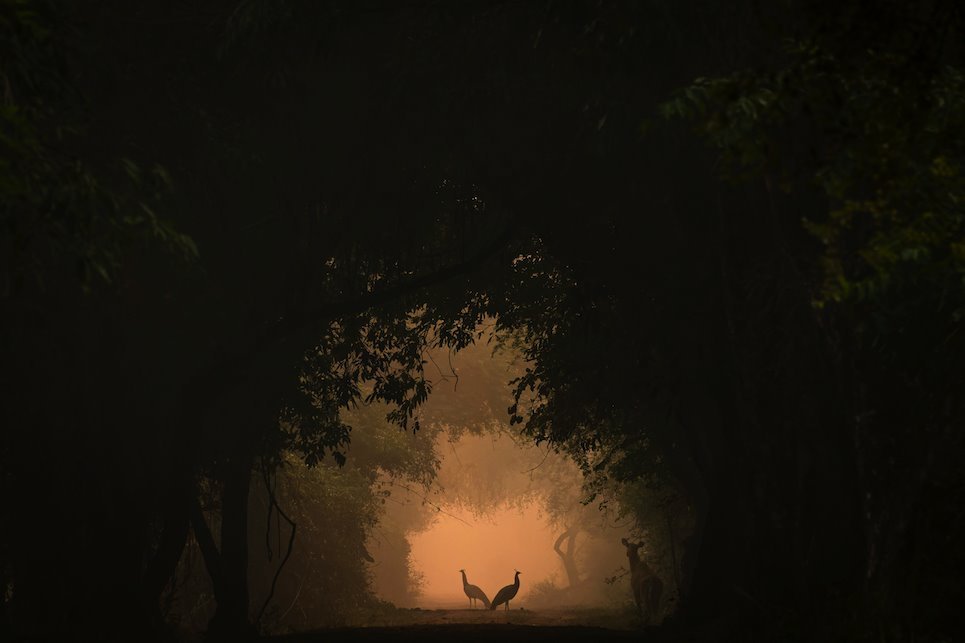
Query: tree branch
point(213, 380)
point(273, 501)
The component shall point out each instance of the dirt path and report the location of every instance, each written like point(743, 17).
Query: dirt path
point(468, 626)
point(464, 633)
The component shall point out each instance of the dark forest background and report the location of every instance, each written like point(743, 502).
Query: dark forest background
point(728, 240)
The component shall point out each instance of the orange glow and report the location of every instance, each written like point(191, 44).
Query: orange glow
point(489, 550)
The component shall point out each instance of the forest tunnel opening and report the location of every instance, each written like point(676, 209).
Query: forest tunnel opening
point(498, 512)
point(495, 502)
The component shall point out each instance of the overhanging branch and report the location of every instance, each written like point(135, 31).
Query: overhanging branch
point(208, 384)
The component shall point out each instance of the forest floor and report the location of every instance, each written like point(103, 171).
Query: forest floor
point(465, 626)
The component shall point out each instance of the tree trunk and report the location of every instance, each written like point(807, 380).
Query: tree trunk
point(4, 625)
point(160, 570)
point(209, 550)
point(780, 538)
point(231, 620)
point(569, 556)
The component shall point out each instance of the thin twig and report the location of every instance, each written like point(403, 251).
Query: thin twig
point(428, 353)
point(291, 540)
point(452, 369)
point(545, 455)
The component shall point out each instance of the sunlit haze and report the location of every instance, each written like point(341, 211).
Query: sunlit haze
point(489, 549)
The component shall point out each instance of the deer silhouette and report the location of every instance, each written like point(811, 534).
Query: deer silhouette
point(647, 586)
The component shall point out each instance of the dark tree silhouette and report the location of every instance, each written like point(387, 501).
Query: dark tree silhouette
point(764, 313)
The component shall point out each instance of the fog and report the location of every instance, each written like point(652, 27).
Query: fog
point(389, 529)
point(489, 549)
point(498, 505)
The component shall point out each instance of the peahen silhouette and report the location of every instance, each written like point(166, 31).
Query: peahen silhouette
point(473, 591)
point(506, 594)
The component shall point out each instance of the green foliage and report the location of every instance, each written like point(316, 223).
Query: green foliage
point(340, 508)
point(869, 112)
point(327, 578)
point(371, 360)
point(56, 212)
point(885, 148)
